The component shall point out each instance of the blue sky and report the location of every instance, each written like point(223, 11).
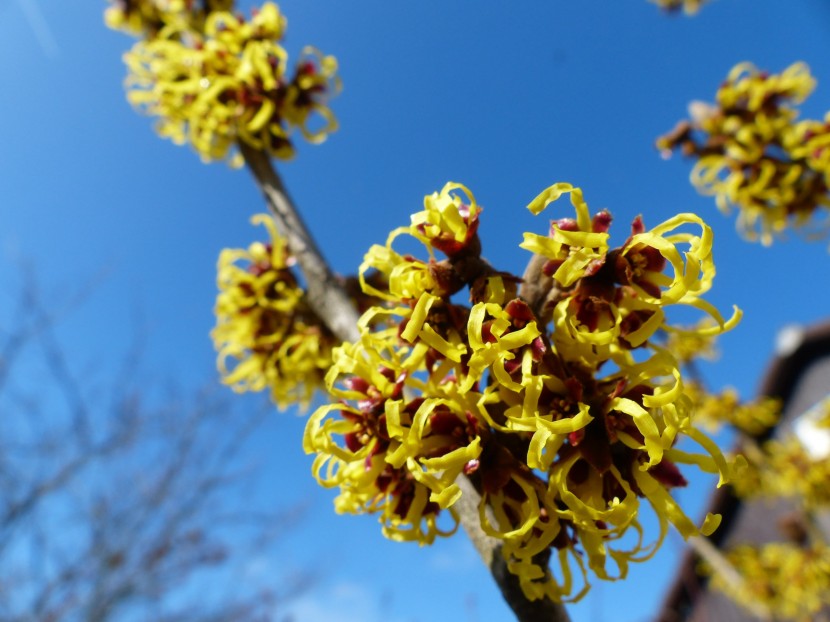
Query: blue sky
point(506, 98)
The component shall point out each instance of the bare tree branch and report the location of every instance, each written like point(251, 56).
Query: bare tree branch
point(116, 518)
point(325, 294)
point(721, 565)
point(543, 610)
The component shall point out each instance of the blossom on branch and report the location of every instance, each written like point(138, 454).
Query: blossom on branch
point(564, 411)
point(145, 18)
point(790, 580)
point(214, 78)
point(389, 452)
point(266, 334)
point(754, 155)
point(713, 410)
point(689, 344)
point(785, 468)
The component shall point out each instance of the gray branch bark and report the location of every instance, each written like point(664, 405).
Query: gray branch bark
point(489, 548)
point(324, 292)
point(328, 299)
point(721, 565)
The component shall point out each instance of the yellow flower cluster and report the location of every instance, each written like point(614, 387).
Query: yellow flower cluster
point(752, 153)
point(712, 410)
point(214, 78)
point(564, 414)
point(145, 18)
point(783, 468)
point(790, 581)
point(690, 344)
point(266, 335)
point(689, 7)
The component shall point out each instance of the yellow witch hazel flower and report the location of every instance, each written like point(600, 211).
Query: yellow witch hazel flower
point(713, 410)
point(387, 452)
point(563, 412)
point(754, 155)
point(574, 248)
point(447, 223)
point(784, 468)
point(612, 301)
point(266, 334)
point(216, 81)
point(147, 17)
point(790, 581)
point(689, 344)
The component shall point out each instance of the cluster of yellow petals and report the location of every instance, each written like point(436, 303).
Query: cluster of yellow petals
point(266, 335)
point(790, 581)
point(690, 344)
point(614, 301)
point(689, 7)
point(564, 417)
point(388, 452)
point(145, 18)
point(714, 410)
point(787, 580)
point(754, 155)
point(214, 78)
point(784, 468)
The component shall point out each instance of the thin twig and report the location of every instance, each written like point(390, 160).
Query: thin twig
point(713, 556)
point(328, 299)
point(536, 285)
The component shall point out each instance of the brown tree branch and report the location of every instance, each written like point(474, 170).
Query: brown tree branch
point(325, 293)
point(536, 285)
point(721, 565)
point(489, 548)
point(333, 306)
